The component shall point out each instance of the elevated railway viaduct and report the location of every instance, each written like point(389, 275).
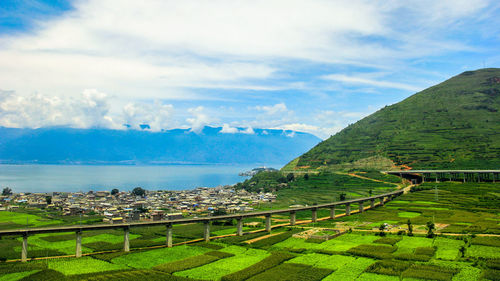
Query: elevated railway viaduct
point(25, 233)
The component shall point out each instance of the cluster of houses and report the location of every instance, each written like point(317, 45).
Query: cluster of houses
point(154, 205)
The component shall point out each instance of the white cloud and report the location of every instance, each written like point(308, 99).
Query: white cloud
point(228, 129)
point(248, 131)
point(274, 109)
point(137, 48)
point(199, 120)
point(371, 82)
point(90, 109)
point(157, 115)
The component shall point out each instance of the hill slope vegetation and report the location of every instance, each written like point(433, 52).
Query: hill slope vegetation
point(455, 124)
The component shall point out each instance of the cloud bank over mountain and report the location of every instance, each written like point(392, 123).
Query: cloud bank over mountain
point(275, 64)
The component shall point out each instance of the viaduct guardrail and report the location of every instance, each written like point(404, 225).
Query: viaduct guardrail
point(206, 220)
point(451, 175)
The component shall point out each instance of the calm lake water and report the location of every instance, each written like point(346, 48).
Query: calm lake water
point(48, 178)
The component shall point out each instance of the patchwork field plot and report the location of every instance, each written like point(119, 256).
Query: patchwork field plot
point(464, 214)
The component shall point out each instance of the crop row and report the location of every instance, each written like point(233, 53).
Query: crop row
point(273, 260)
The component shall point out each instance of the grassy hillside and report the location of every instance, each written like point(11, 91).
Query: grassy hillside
point(455, 124)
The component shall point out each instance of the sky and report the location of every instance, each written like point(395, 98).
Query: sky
point(311, 66)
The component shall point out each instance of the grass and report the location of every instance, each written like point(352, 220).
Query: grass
point(288, 271)
point(341, 243)
point(447, 249)
point(376, 277)
point(409, 215)
point(480, 251)
point(333, 262)
point(350, 271)
point(23, 219)
point(68, 246)
point(17, 275)
point(148, 259)
point(243, 258)
point(409, 244)
point(72, 266)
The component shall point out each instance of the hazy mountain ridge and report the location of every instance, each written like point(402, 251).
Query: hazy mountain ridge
point(178, 146)
point(455, 124)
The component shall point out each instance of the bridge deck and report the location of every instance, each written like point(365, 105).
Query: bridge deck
point(75, 228)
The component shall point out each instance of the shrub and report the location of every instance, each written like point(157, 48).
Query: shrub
point(58, 238)
point(289, 271)
point(134, 275)
point(109, 256)
point(273, 260)
point(426, 251)
point(239, 239)
point(387, 240)
point(103, 246)
point(372, 251)
point(412, 257)
point(208, 245)
point(486, 241)
point(45, 275)
point(493, 263)
point(315, 240)
point(6, 268)
point(142, 243)
point(491, 274)
point(268, 242)
point(429, 272)
point(187, 263)
point(220, 255)
point(388, 267)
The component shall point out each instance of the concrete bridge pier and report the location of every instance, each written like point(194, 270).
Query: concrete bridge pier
point(268, 223)
point(239, 227)
point(126, 241)
point(78, 251)
point(314, 215)
point(332, 212)
point(168, 241)
point(361, 208)
point(347, 209)
point(206, 232)
point(382, 201)
point(24, 251)
point(292, 218)
point(372, 203)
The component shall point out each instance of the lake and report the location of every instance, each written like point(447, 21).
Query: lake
point(72, 178)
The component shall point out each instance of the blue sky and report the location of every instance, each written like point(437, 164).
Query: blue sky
point(312, 66)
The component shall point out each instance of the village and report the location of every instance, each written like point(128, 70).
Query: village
point(123, 206)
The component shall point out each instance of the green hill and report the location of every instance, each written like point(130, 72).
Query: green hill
point(455, 124)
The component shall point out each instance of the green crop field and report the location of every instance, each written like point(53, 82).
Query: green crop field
point(463, 213)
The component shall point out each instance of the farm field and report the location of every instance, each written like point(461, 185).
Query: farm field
point(466, 247)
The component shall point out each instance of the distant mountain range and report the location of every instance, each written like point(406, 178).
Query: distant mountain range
point(455, 124)
point(178, 146)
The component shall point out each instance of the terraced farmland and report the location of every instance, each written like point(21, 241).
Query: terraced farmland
point(466, 247)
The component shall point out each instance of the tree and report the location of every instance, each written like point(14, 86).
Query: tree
point(48, 199)
point(290, 177)
point(139, 191)
point(342, 196)
point(382, 229)
point(410, 228)
point(306, 177)
point(7, 191)
point(114, 191)
point(430, 229)
point(462, 251)
point(370, 192)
